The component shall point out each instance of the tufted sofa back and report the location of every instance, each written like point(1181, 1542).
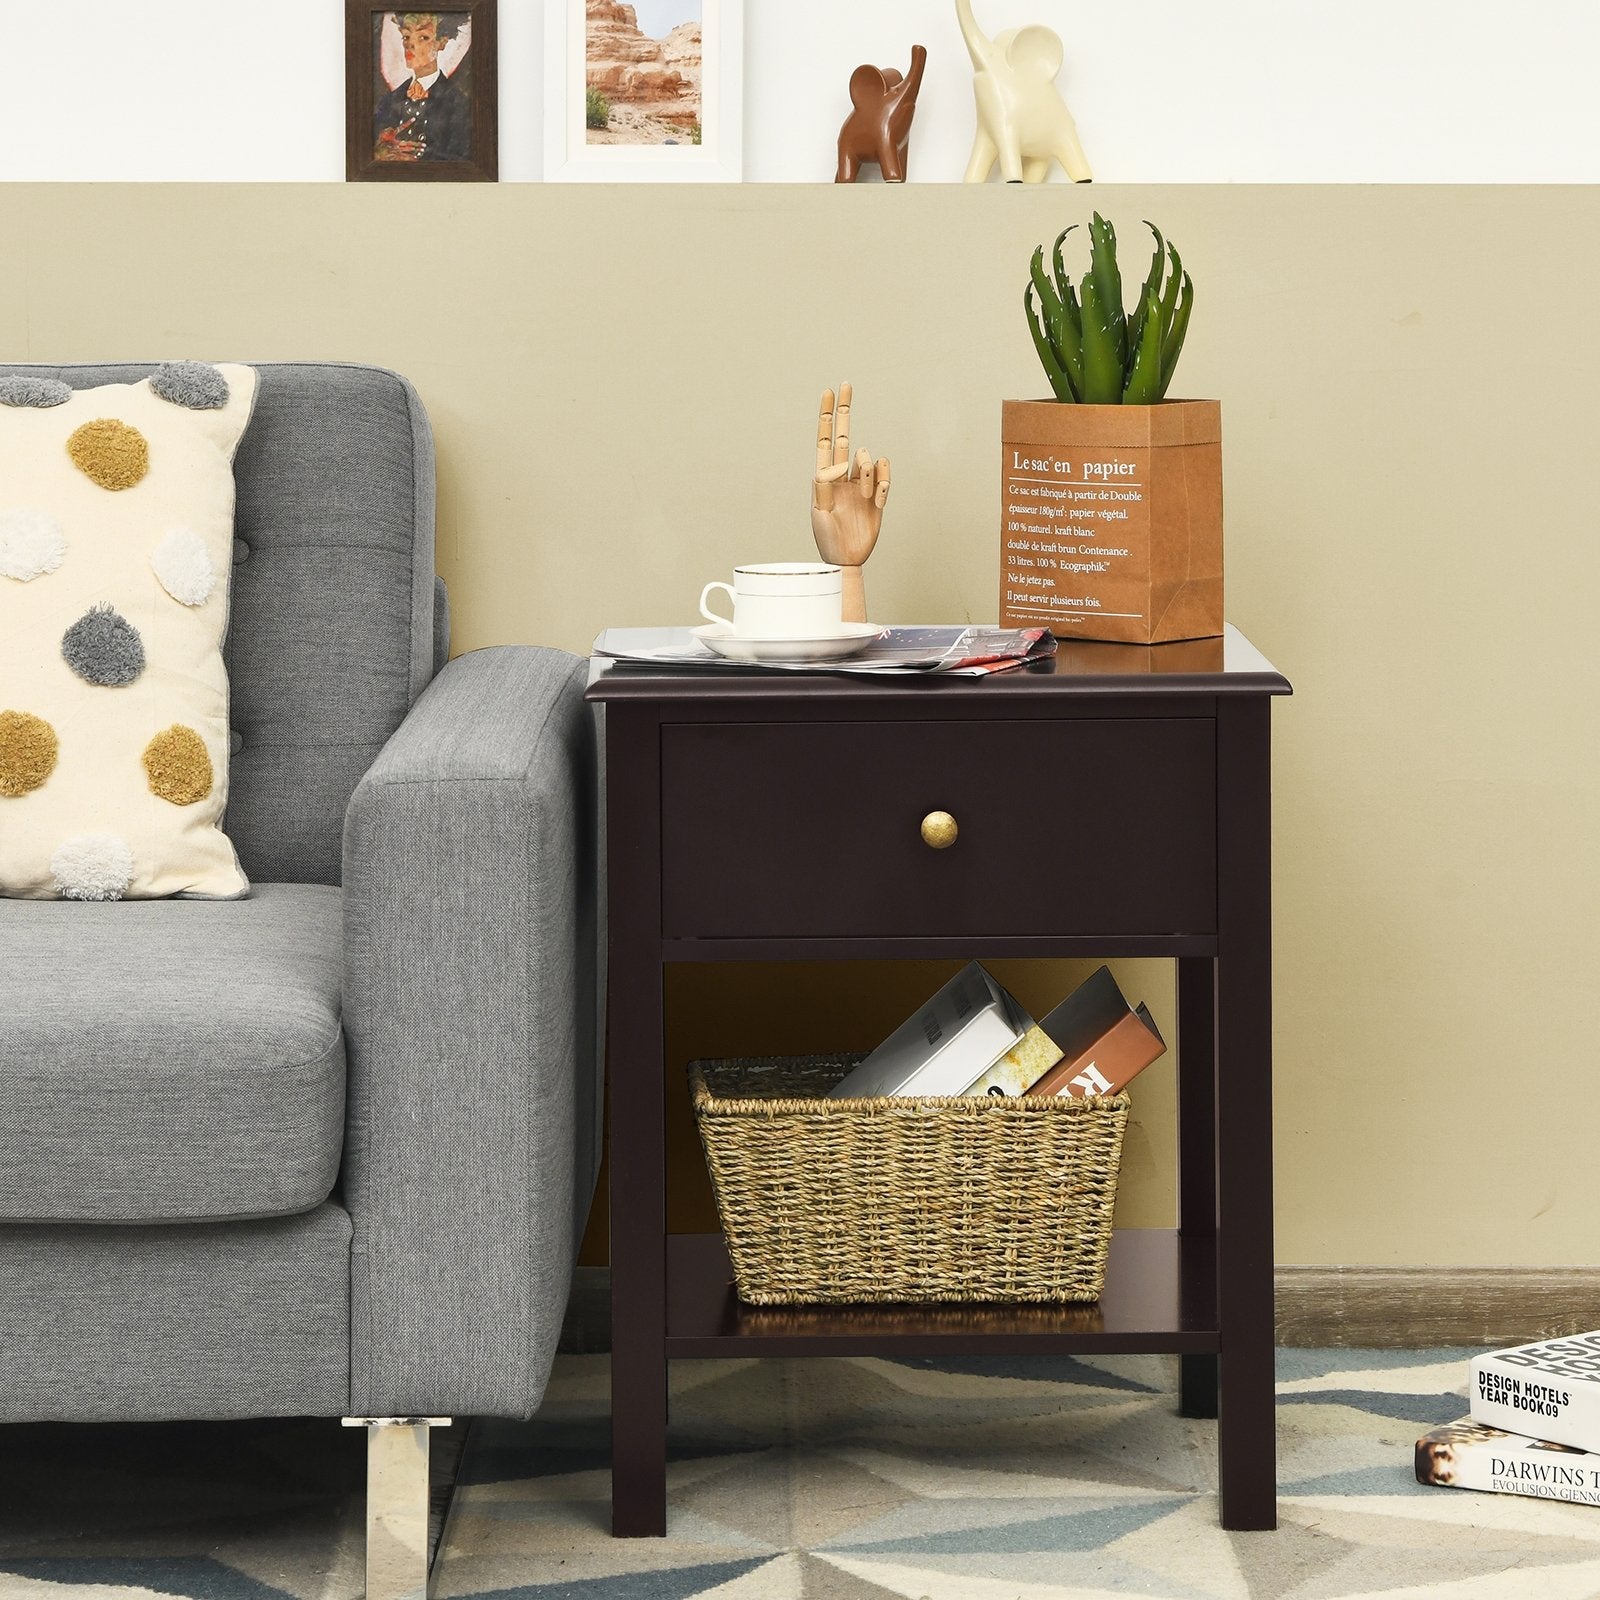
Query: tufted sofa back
point(331, 635)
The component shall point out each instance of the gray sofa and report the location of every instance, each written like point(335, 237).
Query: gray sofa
point(328, 1150)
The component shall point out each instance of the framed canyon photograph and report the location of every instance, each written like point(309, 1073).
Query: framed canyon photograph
point(644, 90)
point(420, 93)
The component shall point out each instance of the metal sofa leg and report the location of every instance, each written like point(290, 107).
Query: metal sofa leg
point(397, 1504)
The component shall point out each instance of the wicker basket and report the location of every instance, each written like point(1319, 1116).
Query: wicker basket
point(980, 1199)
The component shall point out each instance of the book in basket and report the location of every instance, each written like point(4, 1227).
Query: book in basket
point(944, 1044)
point(1468, 1455)
point(1550, 1390)
point(1094, 1042)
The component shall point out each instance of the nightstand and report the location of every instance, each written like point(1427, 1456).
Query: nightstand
point(1115, 801)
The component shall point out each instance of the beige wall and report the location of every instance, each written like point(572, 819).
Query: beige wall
point(623, 383)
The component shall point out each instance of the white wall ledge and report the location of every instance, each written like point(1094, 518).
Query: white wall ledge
point(1245, 91)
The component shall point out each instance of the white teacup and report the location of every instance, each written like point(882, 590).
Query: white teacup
point(781, 600)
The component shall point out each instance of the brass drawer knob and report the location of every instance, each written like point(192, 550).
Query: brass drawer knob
point(939, 830)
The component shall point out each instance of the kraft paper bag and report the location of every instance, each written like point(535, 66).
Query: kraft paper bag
point(1111, 520)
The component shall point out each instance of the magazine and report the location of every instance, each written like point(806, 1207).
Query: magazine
point(966, 651)
point(944, 1044)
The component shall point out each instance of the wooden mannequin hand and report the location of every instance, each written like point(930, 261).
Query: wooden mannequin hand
point(847, 500)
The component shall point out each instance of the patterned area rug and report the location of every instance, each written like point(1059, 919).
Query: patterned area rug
point(809, 1480)
point(1001, 1480)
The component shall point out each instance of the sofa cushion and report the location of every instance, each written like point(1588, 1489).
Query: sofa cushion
point(332, 630)
point(116, 550)
point(165, 1061)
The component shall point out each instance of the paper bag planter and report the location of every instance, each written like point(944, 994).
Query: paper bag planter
point(1111, 519)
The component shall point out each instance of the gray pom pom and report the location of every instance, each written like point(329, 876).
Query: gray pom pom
point(195, 384)
point(18, 391)
point(104, 648)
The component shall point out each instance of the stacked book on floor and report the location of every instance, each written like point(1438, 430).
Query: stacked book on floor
point(972, 1038)
point(1534, 1426)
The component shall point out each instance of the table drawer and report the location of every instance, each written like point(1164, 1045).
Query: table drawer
point(1094, 826)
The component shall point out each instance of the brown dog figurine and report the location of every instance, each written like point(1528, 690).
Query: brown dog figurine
point(879, 129)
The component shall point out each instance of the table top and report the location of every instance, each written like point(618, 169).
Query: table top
point(1226, 665)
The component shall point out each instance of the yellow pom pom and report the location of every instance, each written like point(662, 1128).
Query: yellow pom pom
point(110, 453)
point(177, 765)
point(27, 753)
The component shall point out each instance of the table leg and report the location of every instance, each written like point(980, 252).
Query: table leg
point(636, 1152)
point(1246, 1427)
point(1197, 1149)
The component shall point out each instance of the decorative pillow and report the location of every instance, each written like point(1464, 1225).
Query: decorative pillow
point(116, 550)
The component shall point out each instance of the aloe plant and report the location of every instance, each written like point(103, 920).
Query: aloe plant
point(1092, 351)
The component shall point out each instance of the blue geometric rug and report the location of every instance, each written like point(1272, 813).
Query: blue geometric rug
point(1001, 1480)
point(820, 1480)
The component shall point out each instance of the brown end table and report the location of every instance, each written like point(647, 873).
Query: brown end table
point(1114, 802)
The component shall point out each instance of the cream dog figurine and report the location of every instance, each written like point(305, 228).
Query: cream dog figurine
point(1022, 120)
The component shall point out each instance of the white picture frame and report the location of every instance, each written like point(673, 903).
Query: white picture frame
point(718, 158)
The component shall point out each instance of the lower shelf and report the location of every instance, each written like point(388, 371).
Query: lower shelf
point(1160, 1295)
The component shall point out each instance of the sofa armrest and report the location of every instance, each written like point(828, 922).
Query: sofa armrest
point(469, 1016)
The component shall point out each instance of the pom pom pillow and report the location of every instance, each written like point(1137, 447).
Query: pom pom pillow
point(116, 549)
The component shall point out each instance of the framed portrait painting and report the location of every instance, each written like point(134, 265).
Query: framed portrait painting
point(644, 90)
point(420, 93)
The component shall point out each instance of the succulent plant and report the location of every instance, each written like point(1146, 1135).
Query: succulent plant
point(1092, 351)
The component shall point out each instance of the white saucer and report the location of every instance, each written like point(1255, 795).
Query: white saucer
point(847, 640)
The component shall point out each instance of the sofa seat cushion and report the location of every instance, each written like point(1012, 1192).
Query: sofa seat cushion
point(170, 1061)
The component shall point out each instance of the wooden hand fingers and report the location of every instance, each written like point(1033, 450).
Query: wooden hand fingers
point(825, 431)
point(822, 488)
point(834, 464)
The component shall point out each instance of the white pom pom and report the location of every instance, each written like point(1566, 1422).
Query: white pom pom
point(93, 866)
point(184, 568)
point(31, 543)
